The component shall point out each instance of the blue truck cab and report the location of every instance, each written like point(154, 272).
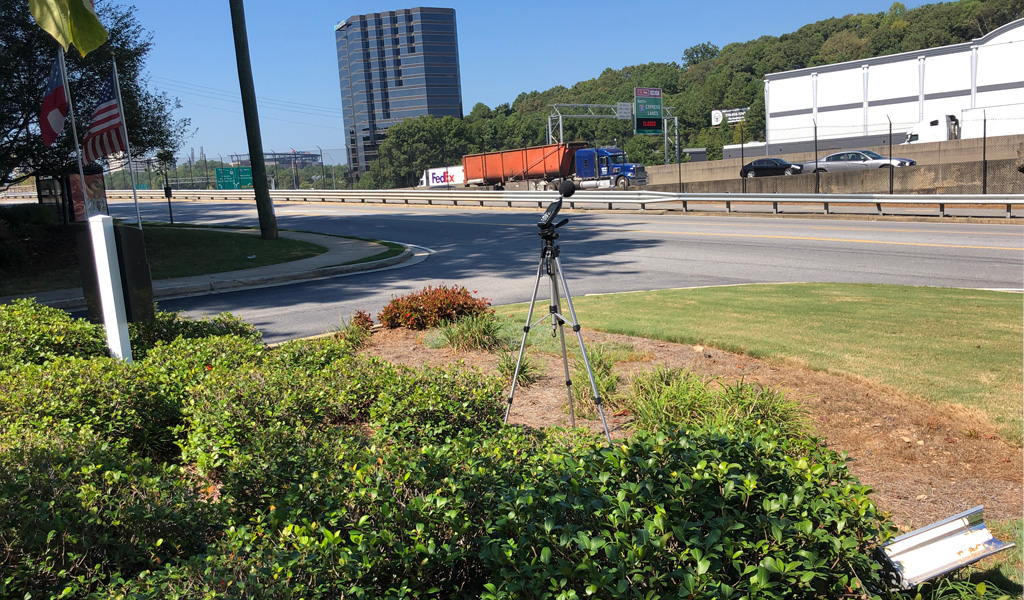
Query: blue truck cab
point(607, 167)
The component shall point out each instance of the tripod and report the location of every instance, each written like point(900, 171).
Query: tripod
point(550, 265)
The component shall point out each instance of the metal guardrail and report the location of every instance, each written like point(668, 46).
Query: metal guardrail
point(585, 198)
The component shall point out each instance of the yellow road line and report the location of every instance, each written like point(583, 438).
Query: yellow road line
point(751, 236)
point(744, 225)
point(735, 235)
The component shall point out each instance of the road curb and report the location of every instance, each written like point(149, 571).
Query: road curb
point(215, 286)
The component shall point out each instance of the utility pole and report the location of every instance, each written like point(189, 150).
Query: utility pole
point(264, 205)
point(323, 169)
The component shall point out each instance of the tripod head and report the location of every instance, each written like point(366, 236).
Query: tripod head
point(547, 227)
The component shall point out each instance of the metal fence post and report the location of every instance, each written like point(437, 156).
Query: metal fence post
point(742, 160)
point(817, 175)
point(984, 152)
point(892, 169)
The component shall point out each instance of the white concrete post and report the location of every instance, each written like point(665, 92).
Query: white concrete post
point(108, 274)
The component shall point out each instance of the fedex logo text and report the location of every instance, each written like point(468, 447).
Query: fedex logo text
point(442, 178)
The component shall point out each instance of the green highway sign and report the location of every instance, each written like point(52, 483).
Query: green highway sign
point(245, 178)
point(234, 178)
point(648, 111)
point(227, 178)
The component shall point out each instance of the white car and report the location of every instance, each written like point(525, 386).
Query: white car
point(853, 160)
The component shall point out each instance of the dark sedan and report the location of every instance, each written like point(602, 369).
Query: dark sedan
point(763, 167)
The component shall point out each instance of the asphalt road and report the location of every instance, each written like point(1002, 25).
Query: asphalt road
point(496, 253)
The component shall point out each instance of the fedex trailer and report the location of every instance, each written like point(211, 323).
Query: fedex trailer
point(443, 177)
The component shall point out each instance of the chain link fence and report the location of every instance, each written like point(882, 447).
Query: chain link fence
point(987, 162)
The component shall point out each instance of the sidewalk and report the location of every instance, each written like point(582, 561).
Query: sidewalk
point(328, 264)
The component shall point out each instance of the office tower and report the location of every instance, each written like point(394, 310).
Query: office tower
point(393, 65)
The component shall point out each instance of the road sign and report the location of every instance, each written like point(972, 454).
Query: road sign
point(647, 102)
point(234, 178)
point(624, 111)
point(245, 178)
point(227, 178)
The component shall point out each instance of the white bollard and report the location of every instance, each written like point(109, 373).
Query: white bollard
point(108, 274)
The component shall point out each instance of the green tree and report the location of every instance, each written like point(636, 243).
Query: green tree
point(28, 54)
point(699, 53)
point(415, 145)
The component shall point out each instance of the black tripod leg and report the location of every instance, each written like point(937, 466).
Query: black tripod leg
point(526, 332)
point(583, 350)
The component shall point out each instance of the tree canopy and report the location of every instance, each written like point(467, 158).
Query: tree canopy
point(28, 55)
point(709, 78)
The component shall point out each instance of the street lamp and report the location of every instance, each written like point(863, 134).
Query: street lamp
point(323, 169)
point(274, 155)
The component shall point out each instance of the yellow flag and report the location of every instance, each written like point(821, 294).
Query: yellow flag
point(70, 22)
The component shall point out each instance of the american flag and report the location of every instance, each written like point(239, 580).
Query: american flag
point(106, 134)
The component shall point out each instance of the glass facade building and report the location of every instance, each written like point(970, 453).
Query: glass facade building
point(393, 65)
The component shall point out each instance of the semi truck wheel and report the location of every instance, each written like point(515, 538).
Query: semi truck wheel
point(622, 183)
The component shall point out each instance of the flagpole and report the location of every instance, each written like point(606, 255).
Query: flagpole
point(74, 133)
point(127, 145)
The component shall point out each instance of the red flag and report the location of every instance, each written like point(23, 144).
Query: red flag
point(55, 106)
point(106, 134)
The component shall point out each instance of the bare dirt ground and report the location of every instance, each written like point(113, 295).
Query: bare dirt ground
point(924, 461)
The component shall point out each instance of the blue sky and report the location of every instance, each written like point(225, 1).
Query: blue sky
point(504, 48)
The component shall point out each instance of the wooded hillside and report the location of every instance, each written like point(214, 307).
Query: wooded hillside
point(705, 79)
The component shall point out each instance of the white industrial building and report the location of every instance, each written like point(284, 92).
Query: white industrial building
point(855, 100)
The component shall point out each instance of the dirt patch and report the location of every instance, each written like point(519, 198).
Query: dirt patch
point(924, 461)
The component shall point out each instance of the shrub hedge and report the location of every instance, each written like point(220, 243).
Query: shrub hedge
point(431, 306)
point(218, 468)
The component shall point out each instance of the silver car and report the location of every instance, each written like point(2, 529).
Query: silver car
point(853, 160)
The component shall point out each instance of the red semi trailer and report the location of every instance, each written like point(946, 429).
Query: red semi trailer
point(553, 161)
point(573, 161)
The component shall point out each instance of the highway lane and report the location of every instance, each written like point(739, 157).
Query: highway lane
point(495, 252)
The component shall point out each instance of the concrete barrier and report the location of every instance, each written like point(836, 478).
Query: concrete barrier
point(951, 178)
point(948, 154)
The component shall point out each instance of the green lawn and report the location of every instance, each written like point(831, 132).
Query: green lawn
point(943, 345)
point(171, 251)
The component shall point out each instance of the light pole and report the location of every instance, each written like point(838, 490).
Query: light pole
point(295, 174)
point(323, 168)
point(274, 155)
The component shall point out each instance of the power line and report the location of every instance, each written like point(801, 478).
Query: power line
point(263, 104)
point(238, 112)
point(235, 94)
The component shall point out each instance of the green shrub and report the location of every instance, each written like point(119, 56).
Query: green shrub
point(26, 216)
point(434, 404)
point(713, 514)
point(318, 353)
point(32, 333)
point(474, 332)
point(382, 524)
point(528, 372)
point(667, 397)
point(115, 399)
point(430, 307)
point(76, 513)
point(169, 326)
point(605, 379)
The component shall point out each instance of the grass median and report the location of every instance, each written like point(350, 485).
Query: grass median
point(51, 262)
point(943, 345)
